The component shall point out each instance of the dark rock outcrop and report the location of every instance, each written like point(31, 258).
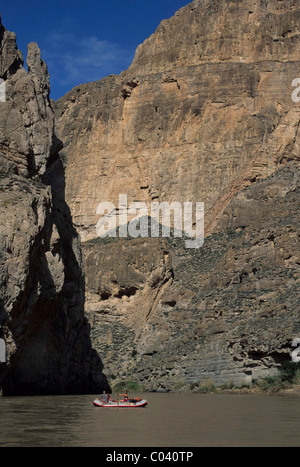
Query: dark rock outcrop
point(42, 288)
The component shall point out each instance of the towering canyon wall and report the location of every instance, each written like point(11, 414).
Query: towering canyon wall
point(42, 290)
point(204, 110)
point(204, 113)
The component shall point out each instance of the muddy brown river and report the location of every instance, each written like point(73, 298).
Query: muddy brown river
point(169, 420)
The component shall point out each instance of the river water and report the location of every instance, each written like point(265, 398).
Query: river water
point(169, 420)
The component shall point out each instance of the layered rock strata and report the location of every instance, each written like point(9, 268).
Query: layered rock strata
point(227, 312)
point(204, 110)
point(47, 342)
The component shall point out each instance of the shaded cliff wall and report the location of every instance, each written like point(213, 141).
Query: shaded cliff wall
point(48, 348)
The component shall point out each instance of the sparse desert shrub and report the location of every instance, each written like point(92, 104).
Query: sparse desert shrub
point(207, 387)
point(127, 385)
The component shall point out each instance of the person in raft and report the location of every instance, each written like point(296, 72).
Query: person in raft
point(125, 397)
point(104, 397)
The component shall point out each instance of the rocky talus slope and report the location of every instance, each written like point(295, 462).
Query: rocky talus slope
point(227, 312)
point(48, 348)
point(204, 113)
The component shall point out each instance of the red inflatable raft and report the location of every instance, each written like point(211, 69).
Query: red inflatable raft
point(128, 404)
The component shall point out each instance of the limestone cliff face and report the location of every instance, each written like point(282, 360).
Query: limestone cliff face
point(41, 275)
point(204, 113)
point(205, 109)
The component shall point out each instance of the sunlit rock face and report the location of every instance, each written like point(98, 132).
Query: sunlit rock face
point(205, 109)
point(204, 113)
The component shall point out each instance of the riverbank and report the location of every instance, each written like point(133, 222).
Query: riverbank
point(285, 382)
point(293, 391)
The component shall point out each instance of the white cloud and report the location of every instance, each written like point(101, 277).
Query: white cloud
point(72, 61)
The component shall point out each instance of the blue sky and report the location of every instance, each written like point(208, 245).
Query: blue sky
point(83, 41)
